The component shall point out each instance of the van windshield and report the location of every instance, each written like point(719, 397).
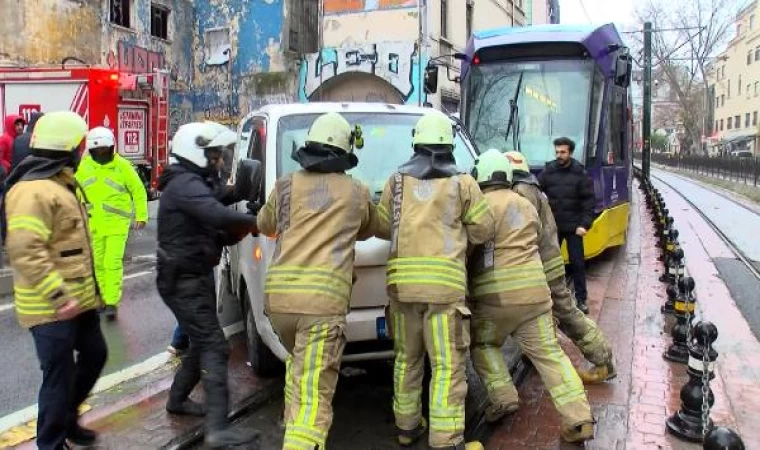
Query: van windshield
point(387, 145)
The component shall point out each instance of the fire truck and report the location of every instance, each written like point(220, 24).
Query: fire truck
point(133, 106)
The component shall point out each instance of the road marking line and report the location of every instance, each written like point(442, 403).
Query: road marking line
point(104, 383)
point(138, 274)
point(4, 308)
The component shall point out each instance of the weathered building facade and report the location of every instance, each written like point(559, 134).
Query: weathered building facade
point(377, 50)
point(225, 57)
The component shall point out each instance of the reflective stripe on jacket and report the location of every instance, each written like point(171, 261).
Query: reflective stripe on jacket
point(508, 269)
point(317, 218)
point(548, 244)
point(430, 223)
point(49, 248)
point(112, 189)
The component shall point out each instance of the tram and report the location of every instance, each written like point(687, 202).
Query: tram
point(522, 87)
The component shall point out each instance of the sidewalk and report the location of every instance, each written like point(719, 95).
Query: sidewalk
point(625, 297)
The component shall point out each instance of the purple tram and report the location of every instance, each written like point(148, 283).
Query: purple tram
point(523, 87)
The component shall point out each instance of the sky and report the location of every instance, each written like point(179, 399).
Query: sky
point(621, 12)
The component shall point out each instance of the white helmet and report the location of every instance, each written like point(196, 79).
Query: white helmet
point(191, 141)
point(100, 137)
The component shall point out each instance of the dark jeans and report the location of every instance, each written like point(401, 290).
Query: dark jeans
point(66, 381)
point(577, 263)
point(192, 299)
point(180, 340)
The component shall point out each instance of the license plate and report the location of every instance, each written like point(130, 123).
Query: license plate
point(382, 330)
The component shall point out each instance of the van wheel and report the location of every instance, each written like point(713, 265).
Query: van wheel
point(263, 362)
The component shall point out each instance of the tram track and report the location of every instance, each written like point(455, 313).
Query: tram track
point(740, 255)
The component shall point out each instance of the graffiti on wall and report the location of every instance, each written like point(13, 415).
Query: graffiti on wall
point(133, 58)
point(352, 6)
point(395, 62)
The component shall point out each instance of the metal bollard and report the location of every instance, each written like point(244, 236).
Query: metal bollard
point(692, 421)
point(673, 260)
point(722, 438)
point(683, 307)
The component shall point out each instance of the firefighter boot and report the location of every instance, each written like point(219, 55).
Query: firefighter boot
point(187, 407)
point(474, 445)
point(409, 437)
point(231, 437)
point(495, 413)
point(579, 433)
point(598, 374)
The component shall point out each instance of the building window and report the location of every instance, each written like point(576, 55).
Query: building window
point(729, 89)
point(752, 22)
point(749, 57)
point(722, 99)
point(444, 18)
point(120, 12)
point(757, 53)
point(737, 121)
point(159, 22)
point(717, 102)
point(721, 124)
point(746, 120)
point(303, 26)
point(739, 87)
point(757, 88)
point(470, 6)
point(717, 122)
point(729, 122)
point(754, 118)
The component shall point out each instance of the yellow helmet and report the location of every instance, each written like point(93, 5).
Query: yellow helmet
point(492, 168)
point(518, 161)
point(434, 128)
point(333, 130)
point(59, 131)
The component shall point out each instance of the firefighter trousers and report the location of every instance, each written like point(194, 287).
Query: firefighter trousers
point(583, 331)
point(108, 256)
point(315, 344)
point(442, 331)
point(533, 328)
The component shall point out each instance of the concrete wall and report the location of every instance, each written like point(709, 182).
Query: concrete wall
point(46, 31)
point(369, 54)
point(256, 73)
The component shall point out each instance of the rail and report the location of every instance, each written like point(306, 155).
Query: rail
point(741, 170)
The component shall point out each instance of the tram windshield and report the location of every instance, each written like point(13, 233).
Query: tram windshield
point(553, 100)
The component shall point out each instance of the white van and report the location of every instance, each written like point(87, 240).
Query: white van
point(269, 135)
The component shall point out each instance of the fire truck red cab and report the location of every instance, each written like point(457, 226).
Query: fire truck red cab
point(133, 106)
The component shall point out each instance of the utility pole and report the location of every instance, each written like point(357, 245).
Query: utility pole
point(646, 120)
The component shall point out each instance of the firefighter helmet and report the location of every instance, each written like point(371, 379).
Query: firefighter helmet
point(59, 131)
point(433, 128)
point(193, 140)
point(333, 130)
point(492, 168)
point(100, 137)
point(518, 161)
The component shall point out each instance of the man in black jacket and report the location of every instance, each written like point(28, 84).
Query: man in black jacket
point(193, 227)
point(21, 144)
point(571, 197)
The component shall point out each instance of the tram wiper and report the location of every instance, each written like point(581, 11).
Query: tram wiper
point(514, 117)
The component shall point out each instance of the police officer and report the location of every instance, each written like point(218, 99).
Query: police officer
point(193, 227)
point(55, 291)
point(115, 194)
point(317, 214)
point(430, 212)
point(584, 333)
point(511, 297)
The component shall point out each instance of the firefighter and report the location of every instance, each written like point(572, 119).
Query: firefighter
point(55, 290)
point(510, 297)
point(115, 194)
point(572, 321)
point(430, 211)
point(193, 227)
point(317, 214)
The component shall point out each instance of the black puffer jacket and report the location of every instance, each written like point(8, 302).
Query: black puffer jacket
point(193, 225)
point(571, 195)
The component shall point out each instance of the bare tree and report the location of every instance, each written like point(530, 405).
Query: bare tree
point(689, 35)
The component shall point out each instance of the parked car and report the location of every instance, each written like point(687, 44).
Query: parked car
point(269, 135)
